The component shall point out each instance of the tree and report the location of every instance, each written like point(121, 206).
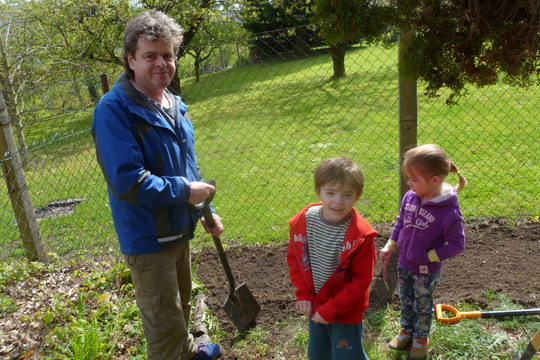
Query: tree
point(471, 41)
point(192, 15)
point(271, 21)
point(10, 76)
point(210, 38)
point(344, 21)
point(43, 42)
point(20, 73)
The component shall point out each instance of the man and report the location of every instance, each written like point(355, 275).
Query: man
point(145, 146)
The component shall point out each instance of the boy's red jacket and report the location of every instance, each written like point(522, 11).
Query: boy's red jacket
point(345, 295)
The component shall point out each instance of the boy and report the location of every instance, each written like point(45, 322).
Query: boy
point(331, 257)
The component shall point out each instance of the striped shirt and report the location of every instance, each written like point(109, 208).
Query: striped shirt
point(325, 243)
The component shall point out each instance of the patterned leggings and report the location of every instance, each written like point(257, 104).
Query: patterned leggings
point(416, 295)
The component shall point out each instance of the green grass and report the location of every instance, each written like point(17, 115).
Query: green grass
point(262, 129)
point(281, 126)
point(102, 322)
point(469, 339)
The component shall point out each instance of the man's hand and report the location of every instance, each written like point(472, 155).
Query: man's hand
point(218, 227)
point(199, 192)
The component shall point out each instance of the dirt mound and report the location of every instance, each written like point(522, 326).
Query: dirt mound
point(498, 258)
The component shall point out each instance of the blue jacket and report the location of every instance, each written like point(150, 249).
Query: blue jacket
point(148, 167)
point(436, 224)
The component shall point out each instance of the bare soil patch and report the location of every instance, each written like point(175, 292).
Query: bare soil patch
point(498, 258)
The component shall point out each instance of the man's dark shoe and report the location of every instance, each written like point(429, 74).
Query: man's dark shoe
point(207, 351)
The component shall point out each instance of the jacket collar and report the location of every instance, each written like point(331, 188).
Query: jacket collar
point(136, 96)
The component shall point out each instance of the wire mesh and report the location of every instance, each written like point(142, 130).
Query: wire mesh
point(265, 117)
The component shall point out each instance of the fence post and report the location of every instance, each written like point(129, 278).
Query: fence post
point(18, 190)
point(408, 110)
point(104, 83)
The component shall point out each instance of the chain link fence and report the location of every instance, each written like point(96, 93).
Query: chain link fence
point(266, 112)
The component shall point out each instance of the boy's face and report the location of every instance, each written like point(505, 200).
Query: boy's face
point(337, 200)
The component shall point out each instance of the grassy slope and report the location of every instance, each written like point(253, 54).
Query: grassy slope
point(262, 129)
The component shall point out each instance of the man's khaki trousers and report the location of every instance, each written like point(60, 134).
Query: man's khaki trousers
point(162, 283)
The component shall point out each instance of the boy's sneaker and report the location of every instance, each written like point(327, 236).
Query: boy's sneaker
point(401, 341)
point(419, 348)
point(207, 351)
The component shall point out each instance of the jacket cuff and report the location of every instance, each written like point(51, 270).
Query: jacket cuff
point(326, 313)
point(187, 187)
point(391, 245)
point(432, 255)
point(188, 192)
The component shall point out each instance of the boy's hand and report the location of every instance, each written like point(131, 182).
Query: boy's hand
point(319, 319)
point(304, 307)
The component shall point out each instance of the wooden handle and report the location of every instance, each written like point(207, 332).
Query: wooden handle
point(209, 219)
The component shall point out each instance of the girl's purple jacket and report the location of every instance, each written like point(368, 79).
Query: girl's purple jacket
point(436, 224)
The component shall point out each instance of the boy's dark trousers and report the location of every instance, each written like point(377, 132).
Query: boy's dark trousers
point(336, 341)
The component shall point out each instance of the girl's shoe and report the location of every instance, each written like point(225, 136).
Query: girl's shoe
point(419, 348)
point(401, 341)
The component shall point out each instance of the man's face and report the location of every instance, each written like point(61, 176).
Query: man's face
point(153, 64)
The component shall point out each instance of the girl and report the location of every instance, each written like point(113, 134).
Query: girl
point(428, 230)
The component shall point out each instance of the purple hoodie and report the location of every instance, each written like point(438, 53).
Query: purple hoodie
point(437, 224)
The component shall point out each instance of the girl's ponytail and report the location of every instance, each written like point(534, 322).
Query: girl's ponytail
point(462, 181)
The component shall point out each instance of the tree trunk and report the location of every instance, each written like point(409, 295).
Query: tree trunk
point(21, 139)
point(92, 91)
point(301, 47)
point(338, 58)
point(175, 87)
point(197, 65)
point(18, 190)
point(12, 101)
point(408, 112)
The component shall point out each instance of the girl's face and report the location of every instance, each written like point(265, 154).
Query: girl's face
point(425, 186)
point(337, 200)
